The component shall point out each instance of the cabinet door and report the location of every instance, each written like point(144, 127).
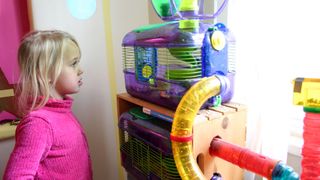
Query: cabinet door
point(14, 23)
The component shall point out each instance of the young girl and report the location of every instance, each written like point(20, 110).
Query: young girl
point(50, 142)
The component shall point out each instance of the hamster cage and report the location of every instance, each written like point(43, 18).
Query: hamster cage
point(162, 61)
point(145, 146)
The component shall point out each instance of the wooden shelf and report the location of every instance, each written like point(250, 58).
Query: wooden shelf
point(227, 121)
point(125, 101)
point(7, 130)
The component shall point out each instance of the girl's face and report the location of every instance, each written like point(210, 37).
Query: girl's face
point(70, 79)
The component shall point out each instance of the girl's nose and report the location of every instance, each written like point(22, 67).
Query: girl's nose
point(80, 71)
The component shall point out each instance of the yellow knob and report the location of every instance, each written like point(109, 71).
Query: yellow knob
point(146, 71)
point(218, 41)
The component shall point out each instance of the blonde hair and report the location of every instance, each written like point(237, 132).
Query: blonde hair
point(40, 58)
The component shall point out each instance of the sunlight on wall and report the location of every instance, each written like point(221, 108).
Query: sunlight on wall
point(82, 9)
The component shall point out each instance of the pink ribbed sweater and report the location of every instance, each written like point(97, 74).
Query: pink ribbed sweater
point(50, 144)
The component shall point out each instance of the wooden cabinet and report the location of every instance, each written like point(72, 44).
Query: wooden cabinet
point(7, 130)
point(227, 121)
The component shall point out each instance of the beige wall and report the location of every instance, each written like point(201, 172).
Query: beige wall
point(153, 17)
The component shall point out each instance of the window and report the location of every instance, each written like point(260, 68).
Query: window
point(277, 41)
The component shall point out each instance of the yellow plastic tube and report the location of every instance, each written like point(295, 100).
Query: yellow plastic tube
point(181, 133)
point(189, 5)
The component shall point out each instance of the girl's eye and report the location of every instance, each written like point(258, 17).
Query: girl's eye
point(74, 63)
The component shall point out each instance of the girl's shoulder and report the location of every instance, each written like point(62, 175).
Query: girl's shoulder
point(40, 115)
point(35, 121)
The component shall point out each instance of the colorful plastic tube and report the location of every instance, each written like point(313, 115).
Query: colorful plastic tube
point(181, 133)
point(254, 162)
point(306, 93)
point(181, 138)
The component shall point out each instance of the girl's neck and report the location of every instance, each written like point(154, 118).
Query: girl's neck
point(55, 95)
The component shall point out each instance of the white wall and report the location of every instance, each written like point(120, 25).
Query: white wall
point(94, 105)
point(6, 147)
